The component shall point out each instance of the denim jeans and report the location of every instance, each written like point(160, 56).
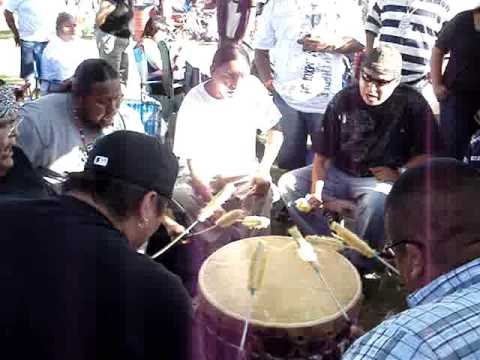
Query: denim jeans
point(368, 194)
point(296, 125)
point(31, 59)
point(113, 50)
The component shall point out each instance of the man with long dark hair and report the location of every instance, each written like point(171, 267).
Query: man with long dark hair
point(58, 129)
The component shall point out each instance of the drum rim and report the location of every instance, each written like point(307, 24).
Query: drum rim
point(356, 299)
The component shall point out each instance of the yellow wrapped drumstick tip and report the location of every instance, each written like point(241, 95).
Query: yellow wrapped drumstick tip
point(230, 218)
point(352, 240)
point(303, 205)
point(256, 270)
point(326, 241)
point(256, 222)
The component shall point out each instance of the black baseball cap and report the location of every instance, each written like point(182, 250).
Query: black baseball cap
point(135, 158)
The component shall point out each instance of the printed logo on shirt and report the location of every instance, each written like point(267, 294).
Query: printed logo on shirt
point(100, 161)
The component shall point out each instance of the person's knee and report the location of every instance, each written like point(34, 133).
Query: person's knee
point(373, 202)
point(287, 184)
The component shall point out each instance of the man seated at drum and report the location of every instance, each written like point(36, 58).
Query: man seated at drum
point(216, 138)
point(57, 130)
point(76, 287)
point(17, 176)
point(372, 131)
point(431, 221)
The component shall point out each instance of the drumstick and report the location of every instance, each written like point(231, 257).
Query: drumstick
point(307, 253)
point(360, 245)
point(216, 202)
point(176, 240)
point(256, 272)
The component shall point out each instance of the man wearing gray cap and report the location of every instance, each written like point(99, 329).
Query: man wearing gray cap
point(372, 131)
point(73, 284)
point(17, 176)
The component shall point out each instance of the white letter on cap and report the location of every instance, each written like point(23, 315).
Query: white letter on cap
point(100, 161)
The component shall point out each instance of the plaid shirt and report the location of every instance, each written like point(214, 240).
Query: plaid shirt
point(443, 322)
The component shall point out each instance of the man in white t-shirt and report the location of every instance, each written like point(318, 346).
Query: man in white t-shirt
point(216, 137)
point(306, 41)
point(36, 26)
point(62, 55)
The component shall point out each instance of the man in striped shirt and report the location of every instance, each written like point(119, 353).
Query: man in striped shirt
point(411, 26)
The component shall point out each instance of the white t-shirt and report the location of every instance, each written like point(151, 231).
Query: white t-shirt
point(60, 59)
point(36, 18)
point(219, 135)
point(307, 81)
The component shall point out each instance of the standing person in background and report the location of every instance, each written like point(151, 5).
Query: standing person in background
point(62, 55)
point(113, 30)
point(411, 26)
point(309, 39)
point(36, 25)
point(458, 89)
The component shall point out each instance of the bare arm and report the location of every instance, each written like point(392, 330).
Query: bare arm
point(320, 166)
point(264, 69)
point(417, 160)
point(272, 147)
point(106, 8)
point(10, 19)
point(350, 46)
point(436, 64)
point(200, 188)
point(370, 40)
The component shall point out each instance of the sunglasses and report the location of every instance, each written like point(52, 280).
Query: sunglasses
point(378, 82)
point(389, 252)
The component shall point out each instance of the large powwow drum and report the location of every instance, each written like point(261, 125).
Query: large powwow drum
point(292, 314)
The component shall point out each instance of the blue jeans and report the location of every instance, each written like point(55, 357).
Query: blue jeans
point(31, 58)
point(368, 194)
point(113, 50)
point(296, 125)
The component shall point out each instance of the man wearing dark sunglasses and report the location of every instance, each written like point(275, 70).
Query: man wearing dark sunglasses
point(431, 220)
point(371, 132)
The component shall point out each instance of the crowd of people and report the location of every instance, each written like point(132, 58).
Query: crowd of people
point(373, 120)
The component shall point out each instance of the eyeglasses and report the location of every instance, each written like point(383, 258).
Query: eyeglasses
point(389, 253)
point(378, 82)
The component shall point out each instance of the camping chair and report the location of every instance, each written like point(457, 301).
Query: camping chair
point(173, 92)
point(148, 106)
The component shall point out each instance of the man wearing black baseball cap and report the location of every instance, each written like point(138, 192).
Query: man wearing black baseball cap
point(371, 132)
point(73, 285)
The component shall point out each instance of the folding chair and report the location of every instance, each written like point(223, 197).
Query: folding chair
point(173, 91)
point(149, 108)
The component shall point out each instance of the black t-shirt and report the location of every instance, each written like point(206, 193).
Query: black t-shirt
point(463, 41)
point(72, 288)
point(359, 136)
point(118, 21)
point(22, 180)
